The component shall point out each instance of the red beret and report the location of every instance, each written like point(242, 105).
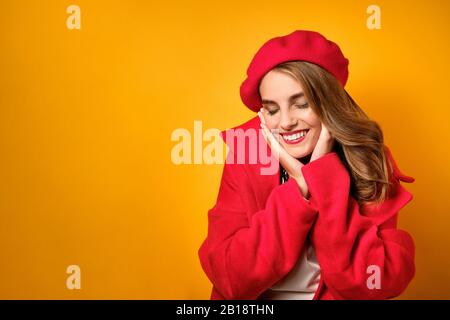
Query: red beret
point(301, 45)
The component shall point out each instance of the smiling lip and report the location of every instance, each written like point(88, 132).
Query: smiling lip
point(296, 140)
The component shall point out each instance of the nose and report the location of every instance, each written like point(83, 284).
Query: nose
point(287, 121)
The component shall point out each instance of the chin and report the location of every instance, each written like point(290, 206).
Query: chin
point(298, 152)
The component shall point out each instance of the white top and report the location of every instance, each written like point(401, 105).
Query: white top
point(301, 282)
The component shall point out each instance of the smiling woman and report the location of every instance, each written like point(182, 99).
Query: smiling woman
point(290, 136)
point(327, 219)
point(287, 109)
point(322, 100)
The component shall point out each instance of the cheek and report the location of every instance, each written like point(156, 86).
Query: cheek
point(315, 124)
point(311, 118)
point(271, 122)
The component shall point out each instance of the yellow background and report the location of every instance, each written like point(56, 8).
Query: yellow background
point(86, 117)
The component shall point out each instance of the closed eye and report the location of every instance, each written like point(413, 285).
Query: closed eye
point(302, 106)
point(272, 112)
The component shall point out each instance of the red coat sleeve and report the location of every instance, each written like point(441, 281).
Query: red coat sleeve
point(349, 239)
point(245, 253)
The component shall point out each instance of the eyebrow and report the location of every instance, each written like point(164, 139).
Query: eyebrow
point(291, 99)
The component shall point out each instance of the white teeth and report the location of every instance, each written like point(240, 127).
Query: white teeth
point(295, 136)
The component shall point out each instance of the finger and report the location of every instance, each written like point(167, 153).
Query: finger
point(261, 116)
point(276, 134)
point(271, 141)
point(272, 138)
point(325, 132)
point(266, 134)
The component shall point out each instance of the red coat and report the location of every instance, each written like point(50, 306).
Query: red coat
point(257, 229)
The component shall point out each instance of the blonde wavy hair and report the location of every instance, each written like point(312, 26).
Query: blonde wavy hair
point(359, 140)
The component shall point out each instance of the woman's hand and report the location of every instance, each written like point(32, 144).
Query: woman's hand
point(324, 145)
point(289, 163)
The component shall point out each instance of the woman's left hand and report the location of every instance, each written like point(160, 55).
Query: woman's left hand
point(324, 145)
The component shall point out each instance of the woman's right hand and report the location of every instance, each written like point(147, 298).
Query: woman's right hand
point(290, 164)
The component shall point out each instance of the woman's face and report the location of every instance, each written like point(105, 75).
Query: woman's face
point(287, 110)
